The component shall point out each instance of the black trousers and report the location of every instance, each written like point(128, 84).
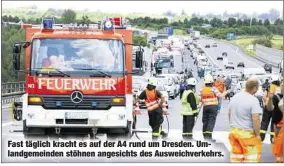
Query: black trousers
point(180, 93)
point(188, 124)
point(156, 119)
point(266, 118)
point(209, 119)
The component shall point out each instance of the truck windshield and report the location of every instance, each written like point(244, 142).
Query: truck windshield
point(74, 55)
point(165, 63)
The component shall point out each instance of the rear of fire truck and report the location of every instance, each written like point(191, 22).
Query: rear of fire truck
point(78, 79)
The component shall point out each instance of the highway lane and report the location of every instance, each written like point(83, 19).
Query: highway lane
point(175, 121)
point(235, 54)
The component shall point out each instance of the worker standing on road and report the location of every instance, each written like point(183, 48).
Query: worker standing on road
point(244, 117)
point(209, 98)
point(220, 85)
point(265, 85)
point(228, 83)
point(275, 104)
point(267, 115)
point(201, 72)
point(156, 107)
point(189, 110)
point(181, 87)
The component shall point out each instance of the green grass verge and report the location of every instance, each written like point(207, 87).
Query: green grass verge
point(245, 41)
point(277, 42)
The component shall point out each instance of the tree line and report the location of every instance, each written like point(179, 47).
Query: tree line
point(220, 28)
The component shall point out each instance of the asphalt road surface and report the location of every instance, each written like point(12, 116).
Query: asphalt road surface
point(175, 119)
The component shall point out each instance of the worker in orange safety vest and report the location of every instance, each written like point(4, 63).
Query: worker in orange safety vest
point(156, 107)
point(209, 98)
point(275, 104)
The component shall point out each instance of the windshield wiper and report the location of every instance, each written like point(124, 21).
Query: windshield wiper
point(94, 75)
point(49, 73)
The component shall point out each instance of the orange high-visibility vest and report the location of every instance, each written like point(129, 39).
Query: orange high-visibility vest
point(220, 86)
point(208, 97)
point(152, 100)
point(277, 146)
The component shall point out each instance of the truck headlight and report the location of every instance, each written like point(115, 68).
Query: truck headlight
point(34, 100)
point(118, 101)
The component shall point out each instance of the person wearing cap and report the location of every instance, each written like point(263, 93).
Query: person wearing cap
point(189, 110)
point(244, 117)
point(267, 115)
point(209, 98)
point(275, 105)
point(156, 107)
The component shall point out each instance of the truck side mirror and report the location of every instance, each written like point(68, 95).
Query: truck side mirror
point(16, 56)
point(139, 59)
point(17, 48)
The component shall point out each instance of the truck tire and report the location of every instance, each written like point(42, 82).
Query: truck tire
point(17, 115)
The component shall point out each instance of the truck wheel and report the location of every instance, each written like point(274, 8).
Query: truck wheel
point(17, 115)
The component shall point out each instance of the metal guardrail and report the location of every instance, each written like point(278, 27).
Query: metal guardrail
point(12, 91)
point(12, 88)
point(268, 55)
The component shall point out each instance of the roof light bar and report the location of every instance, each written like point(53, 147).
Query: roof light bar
point(48, 23)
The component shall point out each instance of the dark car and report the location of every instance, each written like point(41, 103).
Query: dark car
point(224, 54)
point(207, 46)
point(219, 58)
point(214, 45)
point(268, 67)
point(241, 64)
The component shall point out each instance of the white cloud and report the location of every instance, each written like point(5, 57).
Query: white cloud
point(156, 7)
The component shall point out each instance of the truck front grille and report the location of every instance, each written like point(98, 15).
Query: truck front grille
point(88, 102)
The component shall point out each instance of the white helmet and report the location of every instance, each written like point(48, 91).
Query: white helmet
point(275, 78)
point(153, 82)
point(208, 79)
point(191, 81)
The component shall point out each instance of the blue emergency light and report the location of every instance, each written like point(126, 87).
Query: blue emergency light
point(48, 23)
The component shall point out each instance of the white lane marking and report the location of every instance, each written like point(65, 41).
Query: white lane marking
point(7, 124)
point(6, 106)
point(210, 58)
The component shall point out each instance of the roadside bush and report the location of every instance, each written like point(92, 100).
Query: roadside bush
point(263, 41)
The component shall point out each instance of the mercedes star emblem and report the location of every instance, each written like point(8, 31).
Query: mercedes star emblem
point(76, 97)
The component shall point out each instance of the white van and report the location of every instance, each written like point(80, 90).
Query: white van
point(253, 71)
point(169, 83)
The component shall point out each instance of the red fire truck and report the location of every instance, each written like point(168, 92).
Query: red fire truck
point(78, 78)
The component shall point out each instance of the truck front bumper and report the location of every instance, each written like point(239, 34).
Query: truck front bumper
point(37, 116)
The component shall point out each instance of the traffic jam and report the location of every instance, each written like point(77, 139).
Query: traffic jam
point(173, 69)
